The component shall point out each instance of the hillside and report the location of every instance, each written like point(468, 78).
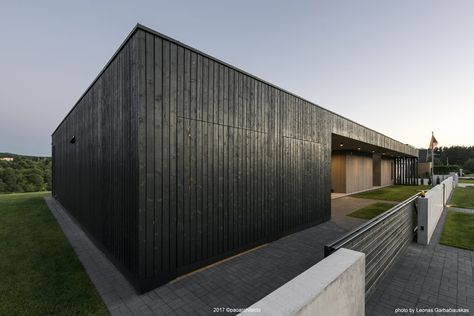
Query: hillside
point(24, 173)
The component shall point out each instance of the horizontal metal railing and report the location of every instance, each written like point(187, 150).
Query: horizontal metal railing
point(383, 239)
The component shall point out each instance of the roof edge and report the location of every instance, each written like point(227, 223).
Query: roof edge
point(144, 28)
point(119, 49)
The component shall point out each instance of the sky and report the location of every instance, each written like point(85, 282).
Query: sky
point(404, 68)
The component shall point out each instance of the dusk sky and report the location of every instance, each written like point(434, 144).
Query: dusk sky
point(403, 68)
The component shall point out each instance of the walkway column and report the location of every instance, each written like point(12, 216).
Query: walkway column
point(377, 173)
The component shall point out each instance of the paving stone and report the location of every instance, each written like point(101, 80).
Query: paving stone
point(433, 276)
point(425, 276)
point(238, 282)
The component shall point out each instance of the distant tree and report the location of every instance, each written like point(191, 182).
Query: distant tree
point(25, 173)
point(47, 178)
point(456, 154)
point(34, 180)
point(469, 164)
point(9, 177)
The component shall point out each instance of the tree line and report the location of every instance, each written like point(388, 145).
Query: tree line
point(24, 173)
point(462, 156)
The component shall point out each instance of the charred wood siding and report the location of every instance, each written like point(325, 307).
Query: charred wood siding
point(228, 161)
point(96, 177)
point(182, 160)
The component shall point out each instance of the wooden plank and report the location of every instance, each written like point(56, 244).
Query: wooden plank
point(204, 183)
point(199, 185)
point(141, 105)
point(180, 83)
point(205, 158)
point(205, 90)
point(187, 84)
point(221, 182)
point(211, 163)
point(216, 93)
point(193, 85)
point(187, 192)
point(199, 115)
point(166, 157)
point(225, 93)
point(225, 208)
point(220, 82)
point(181, 139)
point(180, 147)
point(173, 156)
point(215, 225)
point(150, 152)
point(193, 183)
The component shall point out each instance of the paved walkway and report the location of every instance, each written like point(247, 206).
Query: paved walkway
point(342, 206)
point(235, 283)
point(464, 185)
point(433, 276)
point(462, 210)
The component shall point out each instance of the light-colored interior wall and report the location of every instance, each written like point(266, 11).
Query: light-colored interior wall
point(424, 168)
point(359, 173)
point(386, 172)
point(338, 173)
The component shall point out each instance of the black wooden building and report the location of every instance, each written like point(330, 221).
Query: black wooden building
point(173, 159)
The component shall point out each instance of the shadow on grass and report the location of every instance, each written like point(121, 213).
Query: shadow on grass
point(372, 210)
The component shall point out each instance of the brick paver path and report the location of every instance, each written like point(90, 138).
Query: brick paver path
point(235, 283)
point(433, 276)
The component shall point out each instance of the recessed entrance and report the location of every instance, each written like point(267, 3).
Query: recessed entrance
point(357, 166)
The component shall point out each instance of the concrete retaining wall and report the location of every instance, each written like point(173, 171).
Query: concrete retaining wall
point(430, 208)
point(333, 286)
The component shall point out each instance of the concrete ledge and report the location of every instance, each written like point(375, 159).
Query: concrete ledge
point(333, 286)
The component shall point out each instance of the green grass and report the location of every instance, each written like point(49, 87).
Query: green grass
point(372, 210)
point(39, 272)
point(457, 231)
point(463, 197)
point(396, 193)
point(465, 181)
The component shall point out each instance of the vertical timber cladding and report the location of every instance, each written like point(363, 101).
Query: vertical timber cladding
point(95, 176)
point(226, 161)
point(181, 159)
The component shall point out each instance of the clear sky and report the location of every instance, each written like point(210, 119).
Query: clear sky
point(402, 67)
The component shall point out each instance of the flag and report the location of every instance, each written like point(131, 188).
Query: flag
point(433, 142)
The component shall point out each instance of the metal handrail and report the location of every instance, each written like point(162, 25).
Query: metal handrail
point(356, 232)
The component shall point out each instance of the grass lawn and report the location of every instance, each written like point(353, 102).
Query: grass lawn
point(372, 210)
point(466, 181)
point(457, 231)
point(463, 197)
point(39, 272)
point(397, 193)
